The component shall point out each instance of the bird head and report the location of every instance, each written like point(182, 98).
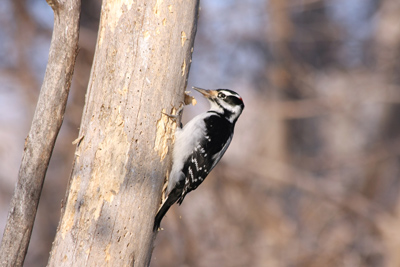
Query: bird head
point(224, 101)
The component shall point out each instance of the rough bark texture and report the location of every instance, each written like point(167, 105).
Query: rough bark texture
point(43, 133)
point(140, 69)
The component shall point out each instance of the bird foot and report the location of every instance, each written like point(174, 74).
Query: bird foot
point(178, 112)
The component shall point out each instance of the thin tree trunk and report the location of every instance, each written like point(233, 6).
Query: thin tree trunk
point(45, 126)
point(140, 69)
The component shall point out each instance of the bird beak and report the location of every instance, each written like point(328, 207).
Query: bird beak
point(206, 93)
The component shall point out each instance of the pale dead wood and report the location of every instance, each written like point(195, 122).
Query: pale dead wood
point(43, 133)
point(140, 70)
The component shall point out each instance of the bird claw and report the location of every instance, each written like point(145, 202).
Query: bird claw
point(178, 112)
point(172, 116)
point(181, 106)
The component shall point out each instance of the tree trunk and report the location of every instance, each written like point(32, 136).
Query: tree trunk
point(140, 69)
point(45, 126)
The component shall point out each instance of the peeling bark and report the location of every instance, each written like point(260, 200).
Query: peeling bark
point(122, 157)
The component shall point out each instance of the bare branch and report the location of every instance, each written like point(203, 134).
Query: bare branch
point(43, 133)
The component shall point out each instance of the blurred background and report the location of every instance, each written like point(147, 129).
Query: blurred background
point(312, 177)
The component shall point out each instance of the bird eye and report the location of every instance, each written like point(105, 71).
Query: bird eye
point(221, 95)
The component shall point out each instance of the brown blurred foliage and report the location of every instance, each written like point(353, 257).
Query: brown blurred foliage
point(312, 175)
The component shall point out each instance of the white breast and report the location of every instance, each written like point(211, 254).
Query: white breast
point(186, 139)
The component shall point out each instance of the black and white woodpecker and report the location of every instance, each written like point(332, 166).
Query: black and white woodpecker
point(200, 145)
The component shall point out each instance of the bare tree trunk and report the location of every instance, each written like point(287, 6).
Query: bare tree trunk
point(46, 124)
point(140, 69)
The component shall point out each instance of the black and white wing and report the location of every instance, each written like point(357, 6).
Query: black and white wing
point(207, 153)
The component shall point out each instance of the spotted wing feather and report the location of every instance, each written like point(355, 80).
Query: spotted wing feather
point(207, 153)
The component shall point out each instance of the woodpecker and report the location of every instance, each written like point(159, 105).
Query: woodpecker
point(200, 145)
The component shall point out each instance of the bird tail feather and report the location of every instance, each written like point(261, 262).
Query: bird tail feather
point(171, 199)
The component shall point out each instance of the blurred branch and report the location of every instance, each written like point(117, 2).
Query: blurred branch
point(43, 133)
point(387, 37)
point(326, 189)
point(26, 31)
